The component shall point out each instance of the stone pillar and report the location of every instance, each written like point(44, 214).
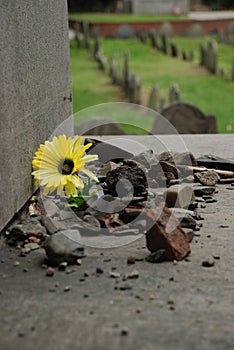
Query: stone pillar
point(35, 90)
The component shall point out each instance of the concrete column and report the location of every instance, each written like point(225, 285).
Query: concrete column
point(35, 90)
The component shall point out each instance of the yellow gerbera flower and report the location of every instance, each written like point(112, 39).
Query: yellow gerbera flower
point(57, 164)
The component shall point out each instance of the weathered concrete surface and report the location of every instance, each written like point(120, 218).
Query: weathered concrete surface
point(182, 306)
point(35, 90)
point(170, 306)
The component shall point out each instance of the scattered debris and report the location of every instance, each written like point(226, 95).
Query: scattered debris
point(208, 262)
point(60, 247)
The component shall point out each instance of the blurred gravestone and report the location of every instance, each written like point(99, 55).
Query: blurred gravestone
point(174, 49)
point(125, 72)
point(186, 119)
point(174, 93)
point(212, 57)
point(233, 68)
point(35, 91)
point(99, 126)
point(153, 38)
point(86, 35)
point(154, 98)
point(166, 29)
point(137, 91)
point(196, 31)
point(164, 44)
point(125, 32)
point(203, 53)
point(230, 29)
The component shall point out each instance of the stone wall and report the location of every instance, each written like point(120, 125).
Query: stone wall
point(180, 27)
point(155, 7)
point(35, 90)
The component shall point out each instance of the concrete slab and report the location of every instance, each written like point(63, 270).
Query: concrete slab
point(170, 306)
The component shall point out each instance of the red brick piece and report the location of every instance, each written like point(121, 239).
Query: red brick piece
point(166, 233)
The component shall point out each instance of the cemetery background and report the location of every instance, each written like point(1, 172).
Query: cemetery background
point(195, 83)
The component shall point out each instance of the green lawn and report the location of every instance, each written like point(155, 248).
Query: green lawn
point(123, 18)
point(212, 94)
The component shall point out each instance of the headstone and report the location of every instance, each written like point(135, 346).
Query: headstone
point(233, 68)
point(36, 91)
point(174, 93)
point(137, 91)
point(86, 35)
point(213, 57)
point(125, 32)
point(184, 55)
point(143, 36)
point(113, 72)
point(174, 49)
point(131, 87)
point(166, 29)
point(230, 29)
point(101, 59)
point(186, 119)
point(99, 126)
point(191, 55)
point(78, 35)
point(154, 98)
point(164, 44)
point(153, 38)
point(203, 53)
point(125, 73)
point(97, 47)
point(196, 31)
point(162, 104)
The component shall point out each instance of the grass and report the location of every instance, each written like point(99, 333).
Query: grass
point(123, 18)
point(89, 85)
point(212, 94)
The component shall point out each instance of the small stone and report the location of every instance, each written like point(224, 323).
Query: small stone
point(85, 295)
point(24, 251)
point(212, 200)
point(132, 275)
point(208, 263)
point(131, 260)
point(207, 178)
point(200, 190)
point(50, 271)
point(179, 196)
point(21, 334)
point(25, 269)
point(156, 257)
point(125, 286)
point(49, 224)
point(124, 331)
point(62, 266)
point(223, 226)
point(67, 289)
point(32, 246)
point(86, 274)
point(165, 234)
point(16, 263)
point(114, 274)
point(69, 271)
point(216, 257)
point(99, 270)
point(152, 297)
point(63, 246)
point(79, 262)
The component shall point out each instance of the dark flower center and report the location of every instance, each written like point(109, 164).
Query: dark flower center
point(66, 167)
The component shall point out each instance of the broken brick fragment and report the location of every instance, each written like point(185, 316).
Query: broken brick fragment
point(164, 232)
